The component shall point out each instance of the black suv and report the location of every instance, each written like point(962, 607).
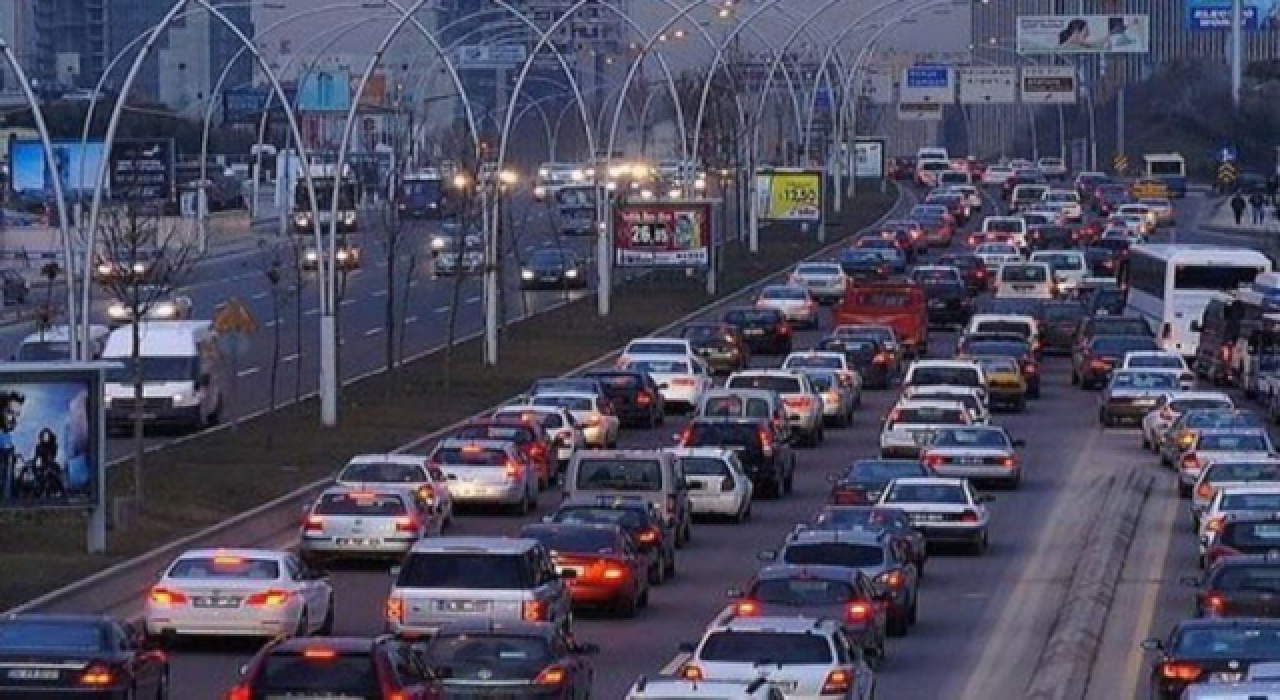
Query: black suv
point(765, 330)
point(379, 667)
point(769, 462)
point(635, 396)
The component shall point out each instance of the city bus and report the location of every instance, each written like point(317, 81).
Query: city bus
point(422, 195)
point(326, 182)
point(1171, 168)
point(1171, 284)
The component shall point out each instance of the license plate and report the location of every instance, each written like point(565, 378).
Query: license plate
point(575, 570)
point(463, 606)
point(937, 304)
point(1023, 287)
point(1226, 677)
point(971, 461)
point(753, 331)
point(357, 542)
point(33, 674)
point(926, 517)
point(216, 602)
point(548, 279)
point(784, 686)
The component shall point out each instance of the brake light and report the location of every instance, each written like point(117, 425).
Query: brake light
point(1204, 491)
point(270, 598)
point(427, 492)
point(689, 672)
point(798, 402)
point(893, 579)
point(973, 240)
point(766, 442)
point(551, 675)
point(969, 516)
point(514, 470)
point(1214, 525)
point(1030, 368)
point(644, 398)
point(1226, 353)
point(1179, 671)
point(537, 450)
point(239, 692)
point(881, 358)
point(783, 328)
point(613, 573)
point(534, 610)
point(1190, 462)
point(97, 674)
point(933, 461)
point(1099, 364)
point(319, 654)
point(649, 535)
point(395, 609)
point(686, 436)
point(313, 523)
point(747, 608)
point(858, 611)
point(1214, 602)
point(980, 273)
point(838, 681)
point(167, 596)
point(406, 525)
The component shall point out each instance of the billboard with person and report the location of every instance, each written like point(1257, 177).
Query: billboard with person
point(665, 234)
point(1079, 34)
point(50, 436)
point(75, 165)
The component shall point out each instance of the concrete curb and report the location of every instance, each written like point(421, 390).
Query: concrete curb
point(1065, 663)
point(118, 586)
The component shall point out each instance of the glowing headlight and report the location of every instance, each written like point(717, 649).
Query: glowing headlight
point(674, 193)
point(539, 191)
point(165, 310)
point(343, 254)
point(571, 273)
point(349, 219)
point(439, 243)
point(700, 185)
point(104, 269)
point(526, 274)
point(117, 311)
point(139, 268)
point(312, 256)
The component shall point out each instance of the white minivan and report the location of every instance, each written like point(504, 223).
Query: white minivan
point(183, 375)
point(1026, 280)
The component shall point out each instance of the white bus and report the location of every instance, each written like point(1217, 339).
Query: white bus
point(1170, 285)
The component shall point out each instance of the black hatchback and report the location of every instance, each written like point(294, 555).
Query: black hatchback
point(553, 268)
point(1059, 324)
point(765, 330)
point(769, 463)
point(866, 354)
point(636, 398)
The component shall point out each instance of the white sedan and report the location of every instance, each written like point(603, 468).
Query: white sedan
point(599, 423)
point(558, 422)
point(681, 380)
point(944, 510)
point(240, 593)
point(1160, 359)
point(793, 301)
point(718, 484)
point(1173, 404)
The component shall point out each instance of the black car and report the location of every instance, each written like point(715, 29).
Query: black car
point(972, 269)
point(1109, 197)
point(948, 301)
point(636, 398)
point(720, 344)
point(1210, 651)
point(1093, 363)
point(1106, 256)
point(15, 290)
point(891, 520)
point(640, 519)
point(1059, 325)
point(864, 480)
point(1049, 237)
point(1241, 585)
point(78, 656)
point(765, 330)
point(864, 264)
point(478, 659)
point(867, 355)
point(364, 667)
point(1107, 300)
point(553, 268)
point(1087, 184)
point(768, 461)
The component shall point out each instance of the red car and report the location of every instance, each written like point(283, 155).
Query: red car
point(341, 666)
point(607, 569)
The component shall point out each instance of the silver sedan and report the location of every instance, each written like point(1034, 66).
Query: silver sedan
point(792, 300)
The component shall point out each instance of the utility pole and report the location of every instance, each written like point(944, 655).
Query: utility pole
point(1237, 51)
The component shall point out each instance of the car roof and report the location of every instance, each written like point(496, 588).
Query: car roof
point(564, 393)
point(956, 364)
point(477, 442)
point(464, 543)
point(840, 536)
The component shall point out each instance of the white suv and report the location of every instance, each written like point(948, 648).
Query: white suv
point(802, 657)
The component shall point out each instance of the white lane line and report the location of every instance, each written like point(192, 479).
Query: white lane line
point(473, 300)
point(372, 332)
point(248, 372)
point(270, 324)
point(410, 319)
point(347, 302)
point(379, 292)
point(442, 309)
point(260, 296)
point(671, 668)
point(289, 358)
point(413, 283)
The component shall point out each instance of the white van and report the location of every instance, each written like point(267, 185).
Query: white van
point(1070, 267)
point(183, 375)
point(1027, 280)
point(54, 344)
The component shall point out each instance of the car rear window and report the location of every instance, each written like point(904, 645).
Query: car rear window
point(1120, 326)
point(1232, 443)
point(997, 348)
point(470, 456)
point(464, 570)
point(1253, 578)
point(1024, 273)
point(703, 466)
point(546, 419)
point(1243, 471)
point(850, 556)
point(572, 403)
point(958, 376)
point(714, 434)
point(627, 518)
point(1063, 312)
point(1129, 379)
point(786, 293)
point(934, 275)
point(342, 676)
point(577, 540)
point(1265, 502)
point(488, 657)
point(660, 366)
point(1156, 361)
point(704, 332)
point(1119, 345)
point(880, 470)
point(928, 416)
point(383, 473)
point(882, 300)
point(1022, 328)
point(926, 493)
point(969, 438)
point(361, 503)
point(230, 567)
point(802, 591)
point(595, 474)
point(620, 382)
point(32, 635)
point(766, 648)
point(513, 433)
point(769, 382)
point(752, 316)
point(1003, 226)
point(1222, 642)
point(814, 361)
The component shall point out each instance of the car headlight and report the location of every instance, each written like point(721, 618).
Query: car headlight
point(104, 269)
point(312, 256)
point(343, 254)
point(539, 192)
point(349, 219)
point(526, 274)
point(302, 219)
point(139, 268)
point(571, 273)
point(438, 243)
point(165, 310)
point(117, 311)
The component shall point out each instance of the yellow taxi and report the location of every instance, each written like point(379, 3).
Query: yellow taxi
point(1006, 387)
point(1149, 188)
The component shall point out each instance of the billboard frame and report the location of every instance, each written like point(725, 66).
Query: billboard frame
point(1076, 34)
point(75, 179)
point(122, 185)
point(877, 148)
point(623, 235)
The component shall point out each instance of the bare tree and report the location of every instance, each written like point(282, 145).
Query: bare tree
point(143, 262)
point(50, 271)
point(462, 205)
point(275, 271)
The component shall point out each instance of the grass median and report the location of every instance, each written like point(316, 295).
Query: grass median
point(201, 482)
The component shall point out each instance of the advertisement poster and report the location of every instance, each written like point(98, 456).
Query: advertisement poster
point(142, 170)
point(868, 158)
point(75, 166)
point(662, 235)
point(325, 90)
point(790, 196)
point(1077, 34)
point(49, 426)
point(1256, 15)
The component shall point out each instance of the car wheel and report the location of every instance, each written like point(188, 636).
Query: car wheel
point(744, 513)
point(627, 607)
point(162, 688)
point(1075, 378)
point(326, 627)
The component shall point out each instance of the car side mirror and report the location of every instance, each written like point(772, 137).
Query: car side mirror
point(1019, 443)
point(687, 647)
point(734, 593)
point(1153, 644)
point(767, 555)
point(1190, 581)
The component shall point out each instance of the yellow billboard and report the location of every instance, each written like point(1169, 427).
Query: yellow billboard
point(791, 196)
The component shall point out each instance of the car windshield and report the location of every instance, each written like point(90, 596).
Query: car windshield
point(950, 494)
point(843, 554)
point(802, 591)
point(37, 635)
point(1228, 641)
point(1024, 273)
point(977, 438)
point(958, 376)
point(154, 369)
point(883, 470)
point(1233, 442)
point(656, 347)
point(1156, 361)
point(1243, 471)
point(928, 415)
point(770, 382)
point(1147, 381)
point(778, 648)
point(704, 466)
point(225, 567)
point(598, 474)
point(470, 456)
point(1264, 502)
point(360, 504)
point(488, 657)
point(574, 540)
point(551, 258)
point(784, 293)
point(814, 361)
point(465, 570)
point(661, 366)
point(382, 473)
point(572, 403)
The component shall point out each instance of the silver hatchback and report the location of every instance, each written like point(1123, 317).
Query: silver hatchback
point(347, 523)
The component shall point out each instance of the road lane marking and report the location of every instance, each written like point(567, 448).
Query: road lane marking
point(411, 319)
point(372, 332)
point(289, 358)
point(312, 312)
point(473, 300)
point(442, 309)
point(379, 292)
point(260, 296)
point(248, 372)
point(270, 324)
point(347, 302)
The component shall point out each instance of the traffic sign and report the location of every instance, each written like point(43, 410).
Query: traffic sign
point(1227, 173)
point(928, 77)
point(1227, 154)
point(1121, 163)
point(927, 83)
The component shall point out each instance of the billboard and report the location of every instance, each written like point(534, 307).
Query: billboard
point(920, 112)
point(490, 56)
point(50, 436)
point(791, 195)
point(1076, 34)
point(666, 234)
point(1216, 15)
point(988, 85)
point(1049, 85)
point(927, 83)
point(243, 104)
point(325, 90)
point(878, 86)
point(76, 167)
point(868, 158)
point(142, 169)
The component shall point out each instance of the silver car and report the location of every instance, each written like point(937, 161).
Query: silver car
point(801, 400)
point(792, 300)
point(840, 392)
point(488, 471)
point(347, 523)
point(826, 282)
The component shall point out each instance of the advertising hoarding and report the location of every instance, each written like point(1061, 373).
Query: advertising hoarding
point(878, 86)
point(325, 90)
point(919, 112)
point(1083, 34)
point(1256, 15)
point(50, 436)
point(76, 166)
point(791, 195)
point(241, 105)
point(666, 234)
point(868, 158)
point(927, 83)
point(1049, 85)
point(142, 169)
point(988, 85)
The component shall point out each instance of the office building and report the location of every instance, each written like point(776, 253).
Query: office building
point(68, 42)
point(16, 26)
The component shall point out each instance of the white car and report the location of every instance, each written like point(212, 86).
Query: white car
point(488, 472)
point(1257, 498)
point(800, 400)
point(1070, 267)
point(962, 373)
point(1015, 226)
point(826, 282)
point(1168, 407)
point(600, 425)
point(1068, 201)
point(404, 471)
point(1211, 445)
point(979, 453)
point(155, 304)
point(557, 421)
point(973, 399)
point(718, 483)
point(656, 346)
point(1148, 214)
point(971, 194)
point(993, 255)
point(803, 657)
point(944, 510)
point(818, 359)
point(1052, 167)
point(681, 380)
point(793, 301)
point(239, 593)
point(1160, 359)
point(997, 175)
point(911, 424)
point(1137, 222)
point(1223, 473)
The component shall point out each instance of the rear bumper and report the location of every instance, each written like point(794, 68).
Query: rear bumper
point(328, 548)
point(940, 532)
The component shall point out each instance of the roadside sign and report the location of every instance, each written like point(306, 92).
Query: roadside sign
point(981, 85)
point(1227, 173)
point(234, 317)
point(924, 84)
point(1121, 164)
point(1049, 85)
point(920, 111)
point(1227, 154)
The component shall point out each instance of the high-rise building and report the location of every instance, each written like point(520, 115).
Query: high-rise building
point(68, 44)
point(16, 25)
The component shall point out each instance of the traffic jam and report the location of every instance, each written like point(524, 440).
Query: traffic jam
point(948, 312)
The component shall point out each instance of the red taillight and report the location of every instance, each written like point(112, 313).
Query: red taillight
point(933, 461)
point(1204, 491)
point(319, 654)
point(969, 516)
point(649, 535)
point(1226, 353)
point(783, 328)
point(973, 240)
point(980, 274)
point(858, 611)
point(686, 436)
point(838, 681)
point(1099, 364)
point(690, 672)
point(97, 675)
point(1179, 671)
point(239, 692)
point(270, 598)
point(747, 608)
point(893, 579)
point(534, 610)
point(538, 451)
point(1030, 368)
point(644, 398)
point(406, 524)
point(514, 469)
point(1214, 525)
point(313, 523)
point(613, 572)
point(1214, 602)
point(881, 358)
point(766, 442)
point(1008, 462)
point(551, 675)
point(1190, 462)
point(395, 609)
point(801, 403)
point(167, 596)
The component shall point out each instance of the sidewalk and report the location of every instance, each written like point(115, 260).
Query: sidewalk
point(1222, 220)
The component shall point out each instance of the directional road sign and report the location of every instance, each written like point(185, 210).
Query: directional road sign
point(1227, 154)
point(931, 83)
point(988, 85)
